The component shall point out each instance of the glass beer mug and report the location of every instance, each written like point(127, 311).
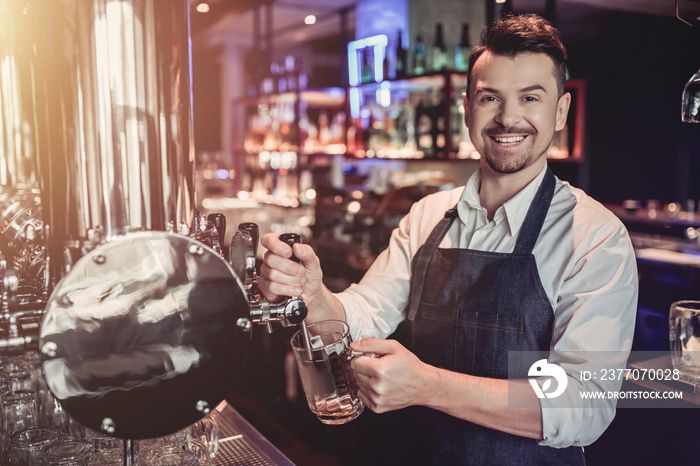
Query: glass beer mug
point(324, 367)
point(684, 335)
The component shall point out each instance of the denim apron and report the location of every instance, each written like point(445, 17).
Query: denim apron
point(477, 307)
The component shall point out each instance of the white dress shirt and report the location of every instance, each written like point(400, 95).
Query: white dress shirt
point(586, 265)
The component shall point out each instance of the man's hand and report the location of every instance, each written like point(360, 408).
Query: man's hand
point(398, 379)
point(280, 276)
point(395, 380)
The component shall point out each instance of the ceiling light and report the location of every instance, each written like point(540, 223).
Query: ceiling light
point(311, 19)
point(203, 7)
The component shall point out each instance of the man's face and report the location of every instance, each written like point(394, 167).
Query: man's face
point(513, 109)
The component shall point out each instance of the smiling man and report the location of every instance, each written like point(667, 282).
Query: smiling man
point(516, 261)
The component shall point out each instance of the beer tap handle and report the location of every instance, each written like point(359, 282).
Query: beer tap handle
point(296, 310)
point(254, 232)
point(291, 239)
point(285, 310)
point(219, 221)
point(241, 258)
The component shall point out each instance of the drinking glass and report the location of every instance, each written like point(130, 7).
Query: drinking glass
point(51, 412)
point(684, 335)
point(107, 458)
point(206, 431)
point(102, 441)
point(67, 452)
point(26, 446)
point(175, 449)
point(19, 411)
point(324, 368)
point(174, 458)
point(18, 373)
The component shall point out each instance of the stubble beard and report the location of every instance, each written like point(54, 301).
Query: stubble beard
point(505, 162)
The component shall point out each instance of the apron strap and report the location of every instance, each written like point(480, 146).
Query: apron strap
point(529, 232)
point(425, 253)
point(532, 225)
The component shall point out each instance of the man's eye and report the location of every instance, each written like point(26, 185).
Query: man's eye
point(488, 98)
point(531, 98)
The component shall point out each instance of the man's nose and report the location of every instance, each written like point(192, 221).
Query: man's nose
point(509, 114)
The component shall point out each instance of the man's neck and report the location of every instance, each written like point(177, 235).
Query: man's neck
point(497, 188)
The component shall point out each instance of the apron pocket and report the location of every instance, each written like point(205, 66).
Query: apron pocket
point(435, 336)
point(469, 342)
point(483, 340)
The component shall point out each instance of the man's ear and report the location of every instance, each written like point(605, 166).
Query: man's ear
point(562, 111)
point(465, 102)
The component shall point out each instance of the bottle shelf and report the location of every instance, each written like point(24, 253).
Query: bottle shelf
point(330, 97)
point(423, 82)
point(417, 118)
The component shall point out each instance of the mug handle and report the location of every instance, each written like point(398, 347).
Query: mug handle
point(353, 354)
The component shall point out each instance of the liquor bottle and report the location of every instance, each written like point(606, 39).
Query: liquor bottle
point(418, 67)
point(386, 66)
point(438, 52)
point(463, 50)
point(401, 62)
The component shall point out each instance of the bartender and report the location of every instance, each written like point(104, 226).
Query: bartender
point(516, 260)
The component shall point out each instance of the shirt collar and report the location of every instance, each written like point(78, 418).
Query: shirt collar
point(513, 210)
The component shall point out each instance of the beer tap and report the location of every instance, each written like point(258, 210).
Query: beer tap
point(219, 222)
point(20, 324)
point(250, 235)
point(287, 311)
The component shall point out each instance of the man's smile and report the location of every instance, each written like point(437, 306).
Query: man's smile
point(508, 140)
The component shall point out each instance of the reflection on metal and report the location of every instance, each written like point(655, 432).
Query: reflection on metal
point(97, 94)
point(96, 110)
point(143, 332)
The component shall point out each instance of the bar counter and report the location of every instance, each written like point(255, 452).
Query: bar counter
point(241, 444)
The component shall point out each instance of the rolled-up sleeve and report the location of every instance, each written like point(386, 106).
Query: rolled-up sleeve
point(593, 330)
point(374, 307)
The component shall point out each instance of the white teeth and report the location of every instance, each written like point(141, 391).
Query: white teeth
point(509, 141)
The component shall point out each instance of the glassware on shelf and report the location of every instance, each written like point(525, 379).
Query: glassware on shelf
point(170, 458)
point(19, 411)
point(17, 373)
point(26, 446)
point(206, 432)
point(107, 458)
point(67, 452)
point(181, 446)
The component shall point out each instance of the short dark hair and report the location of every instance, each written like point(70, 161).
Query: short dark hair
point(513, 35)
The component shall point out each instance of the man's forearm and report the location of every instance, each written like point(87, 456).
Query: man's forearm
point(484, 401)
point(324, 306)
